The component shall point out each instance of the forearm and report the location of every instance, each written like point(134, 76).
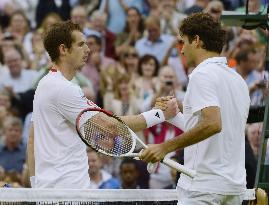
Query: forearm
point(197, 134)
point(30, 153)
point(135, 122)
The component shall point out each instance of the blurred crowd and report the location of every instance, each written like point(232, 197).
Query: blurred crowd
point(135, 58)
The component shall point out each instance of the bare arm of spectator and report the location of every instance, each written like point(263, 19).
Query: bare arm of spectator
point(168, 53)
point(123, 5)
point(30, 152)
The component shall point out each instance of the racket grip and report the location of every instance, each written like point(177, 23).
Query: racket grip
point(189, 172)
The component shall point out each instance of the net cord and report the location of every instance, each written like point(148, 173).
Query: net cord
point(96, 195)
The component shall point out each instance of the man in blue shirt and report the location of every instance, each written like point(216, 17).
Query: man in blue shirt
point(12, 151)
point(156, 44)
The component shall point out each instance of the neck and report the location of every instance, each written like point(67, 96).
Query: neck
point(66, 69)
point(205, 55)
point(11, 146)
point(129, 186)
point(125, 98)
point(242, 71)
point(96, 177)
point(15, 75)
point(147, 78)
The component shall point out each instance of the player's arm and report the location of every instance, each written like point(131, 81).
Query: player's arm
point(30, 152)
point(152, 117)
point(209, 124)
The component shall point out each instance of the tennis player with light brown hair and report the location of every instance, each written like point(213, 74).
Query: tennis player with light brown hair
point(215, 111)
point(56, 155)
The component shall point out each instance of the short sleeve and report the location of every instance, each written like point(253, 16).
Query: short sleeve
point(72, 101)
point(203, 92)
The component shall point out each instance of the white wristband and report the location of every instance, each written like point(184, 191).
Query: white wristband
point(32, 181)
point(178, 121)
point(153, 117)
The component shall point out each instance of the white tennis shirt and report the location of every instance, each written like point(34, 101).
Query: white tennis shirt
point(60, 155)
point(220, 159)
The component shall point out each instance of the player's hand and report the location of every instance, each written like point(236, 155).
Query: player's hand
point(154, 153)
point(161, 102)
point(168, 105)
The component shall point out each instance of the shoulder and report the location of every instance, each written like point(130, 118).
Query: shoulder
point(141, 41)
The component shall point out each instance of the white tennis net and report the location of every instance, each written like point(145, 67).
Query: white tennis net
point(22, 196)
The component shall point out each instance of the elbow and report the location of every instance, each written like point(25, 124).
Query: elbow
point(216, 127)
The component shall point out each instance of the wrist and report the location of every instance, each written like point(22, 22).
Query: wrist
point(153, 117)
point(178, 121)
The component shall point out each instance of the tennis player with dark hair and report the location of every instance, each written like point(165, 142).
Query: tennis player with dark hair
point(56, 155)
point(215, 111)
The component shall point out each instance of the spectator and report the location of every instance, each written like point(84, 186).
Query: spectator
point(129, 174)
point(156, 44)
point(198, 6)
point(5, 110)
point(79, 16)
point(246, 65)
point(116, 11)
point(154, 8)
point(122, 101)
point(100, 179)
point(254, 132)
point(167, 86)
point(18, 26)
point(13, 151)
point(133, 30)
point(170, 17)
point(38, 57)
point(129, 64)
point(98, 27)
point(61, 7)
point(146, 84)
point(49, 20)
point(18, 79)
point(96, 62)
point(90, 5)
point(214, 8)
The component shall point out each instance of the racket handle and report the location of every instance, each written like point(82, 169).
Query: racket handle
point(189, 172)
point(132, 155)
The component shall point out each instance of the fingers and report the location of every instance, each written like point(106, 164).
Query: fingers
point(161, 102)
point(151, 154)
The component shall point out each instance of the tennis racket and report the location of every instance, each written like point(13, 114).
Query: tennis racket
point(108, 134)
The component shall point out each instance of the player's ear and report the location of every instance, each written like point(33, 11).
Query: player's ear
point(62, 49)
point(198, 42)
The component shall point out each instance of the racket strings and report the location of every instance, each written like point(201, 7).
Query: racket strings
point(113, 138)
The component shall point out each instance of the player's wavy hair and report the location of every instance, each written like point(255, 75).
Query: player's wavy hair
point(204, 26)
point(59, 33)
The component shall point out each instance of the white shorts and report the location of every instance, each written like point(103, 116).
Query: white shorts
point(199, 198)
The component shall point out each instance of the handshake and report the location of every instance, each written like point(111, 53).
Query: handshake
point(168, 105)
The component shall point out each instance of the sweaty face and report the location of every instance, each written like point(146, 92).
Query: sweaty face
point(79, 51)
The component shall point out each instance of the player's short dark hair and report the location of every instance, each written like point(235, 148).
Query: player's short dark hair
point(59, 33)
point(204, 26)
